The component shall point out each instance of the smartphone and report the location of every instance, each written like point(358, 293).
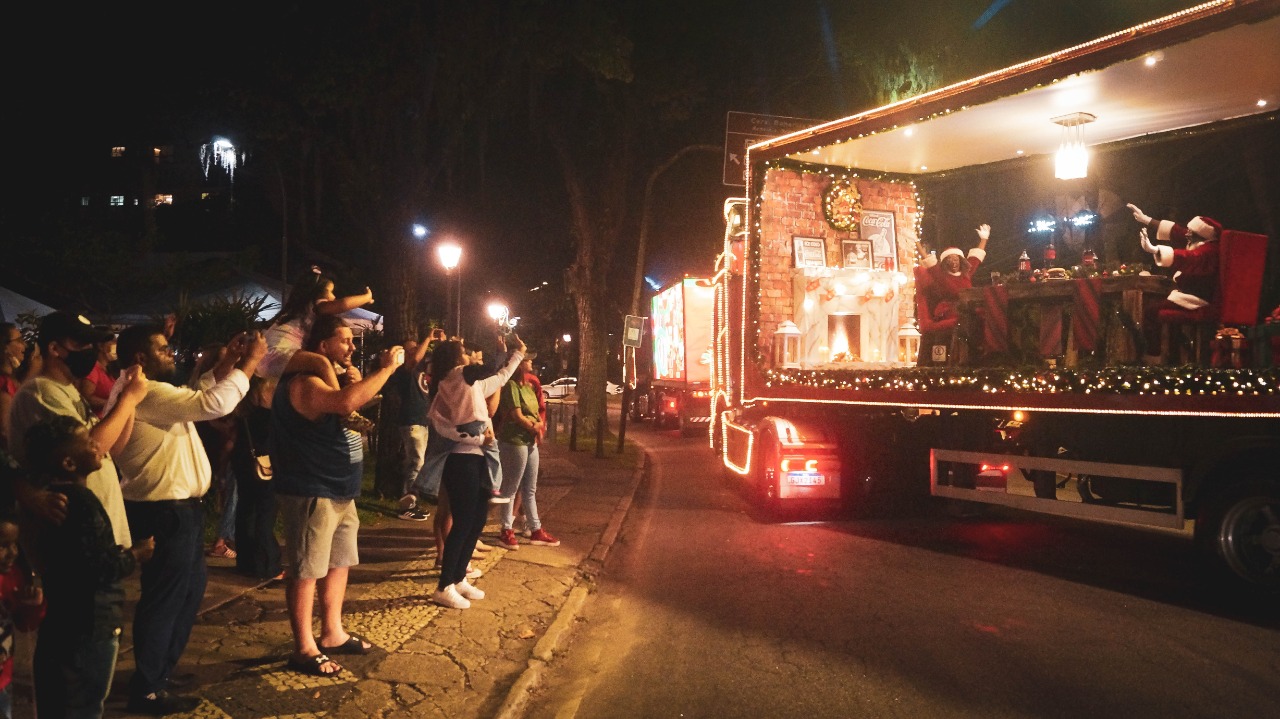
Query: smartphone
point(400, 356)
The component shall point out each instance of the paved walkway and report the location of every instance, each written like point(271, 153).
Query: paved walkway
point(427, 661)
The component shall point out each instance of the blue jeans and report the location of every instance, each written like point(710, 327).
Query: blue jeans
point(520, 472)
point(231, 499)
point(414, 442)
point(173, 585)
point(439, 449)
point(73, 678)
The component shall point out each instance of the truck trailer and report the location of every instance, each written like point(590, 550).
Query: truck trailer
point(1056, 383)
point(680, 343)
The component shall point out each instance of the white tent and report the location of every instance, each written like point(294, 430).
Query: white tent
point(13, 304)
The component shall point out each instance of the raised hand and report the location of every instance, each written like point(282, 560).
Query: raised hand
point(391, 357)
point(135, 385)
point(255, 344)
point(1146, 242)
point(1139, 215)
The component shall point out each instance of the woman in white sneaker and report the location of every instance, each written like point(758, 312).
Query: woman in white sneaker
point(519, 430)
point(460, 413)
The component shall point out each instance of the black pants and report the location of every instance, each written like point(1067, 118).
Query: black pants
point(257, 549)
point(173, 585)
point(466, 479)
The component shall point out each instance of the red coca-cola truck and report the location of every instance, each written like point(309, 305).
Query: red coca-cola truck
point(837, 380)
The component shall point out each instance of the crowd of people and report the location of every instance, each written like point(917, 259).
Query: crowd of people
point(110, 463)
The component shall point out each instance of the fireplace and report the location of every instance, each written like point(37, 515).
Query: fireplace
point(844, 337)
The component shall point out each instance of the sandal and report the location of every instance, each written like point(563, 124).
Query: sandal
point(355, 644)
point(222, 551)
point(312, 666)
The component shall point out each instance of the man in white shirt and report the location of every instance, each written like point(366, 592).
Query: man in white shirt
point(66, 341)
point(165, 474)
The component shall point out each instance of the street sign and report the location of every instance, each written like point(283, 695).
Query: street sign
point(742, 129)
point(632, 331)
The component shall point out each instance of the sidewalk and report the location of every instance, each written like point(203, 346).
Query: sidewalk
point(427, 661)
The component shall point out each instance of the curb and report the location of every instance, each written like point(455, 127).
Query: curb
point(544, 651)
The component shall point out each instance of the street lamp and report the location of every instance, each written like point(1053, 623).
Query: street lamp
point(501, 314)
point(450, 255)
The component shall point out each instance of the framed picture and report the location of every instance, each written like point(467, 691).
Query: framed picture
point(876, 227)
point(856, 254)
point(809, 251)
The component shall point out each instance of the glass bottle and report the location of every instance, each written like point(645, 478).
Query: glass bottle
point(1024, 265)
point(1089, 259)
point(1050, 255)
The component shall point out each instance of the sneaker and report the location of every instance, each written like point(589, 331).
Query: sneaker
point(473, 573)
point(482, 547)
point(508, 539)
point(526, 534)
point(449, 597)
point(497, 498)
point(469, 592)
point(541, 538)
point(414, 515)
point(409, 501)
point(162, 703)
point(431, 499)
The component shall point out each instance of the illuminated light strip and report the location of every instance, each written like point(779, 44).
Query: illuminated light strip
point(1208, 8)
point(1012, 407)
point(751, 440)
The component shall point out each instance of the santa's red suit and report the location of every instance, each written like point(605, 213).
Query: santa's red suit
point(941, 289)
point(1195, 296)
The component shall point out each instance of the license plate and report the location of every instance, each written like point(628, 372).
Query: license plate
point(806, 479)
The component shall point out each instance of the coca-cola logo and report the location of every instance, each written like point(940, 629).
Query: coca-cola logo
point(877, 221)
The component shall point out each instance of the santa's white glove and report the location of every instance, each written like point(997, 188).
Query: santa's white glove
point(984, 232)
point(1146, 243)
point(1138, 214)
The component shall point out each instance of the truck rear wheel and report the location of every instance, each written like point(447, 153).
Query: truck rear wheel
point(1238, 534)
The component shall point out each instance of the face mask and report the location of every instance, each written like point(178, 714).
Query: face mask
point(81, 362)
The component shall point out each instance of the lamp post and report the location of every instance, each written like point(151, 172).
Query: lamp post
point(450, 255)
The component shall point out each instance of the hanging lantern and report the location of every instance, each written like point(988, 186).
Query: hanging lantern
point(1072, 159)
point(786, 345)
point(908, 342)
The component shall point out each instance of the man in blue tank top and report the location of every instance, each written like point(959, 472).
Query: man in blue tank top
point(318, 465)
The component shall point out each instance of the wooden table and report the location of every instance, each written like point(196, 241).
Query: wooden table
point(1119, 323)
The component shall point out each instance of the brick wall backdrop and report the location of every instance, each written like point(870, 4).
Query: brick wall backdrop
point(791, 205)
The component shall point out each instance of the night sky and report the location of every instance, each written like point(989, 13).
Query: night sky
point(88, 75)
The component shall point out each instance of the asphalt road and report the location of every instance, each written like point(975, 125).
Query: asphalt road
point(705, 610)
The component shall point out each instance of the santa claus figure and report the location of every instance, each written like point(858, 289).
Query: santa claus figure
point(1195, 296)
point(939, 280)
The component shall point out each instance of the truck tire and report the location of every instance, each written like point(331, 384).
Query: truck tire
point(1045, 483)
point(1238, 535)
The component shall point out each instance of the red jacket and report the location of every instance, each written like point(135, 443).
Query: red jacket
point(14, 615)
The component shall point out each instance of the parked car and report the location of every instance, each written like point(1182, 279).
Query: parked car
point(568, 386)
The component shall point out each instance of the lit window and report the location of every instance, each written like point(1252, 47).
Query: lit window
point(204, 195)
point(84, 201)
point(164, 200)
point(117, 151)
point(117, 200)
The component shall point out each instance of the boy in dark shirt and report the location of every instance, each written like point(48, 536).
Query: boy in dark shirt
point(81, 566)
